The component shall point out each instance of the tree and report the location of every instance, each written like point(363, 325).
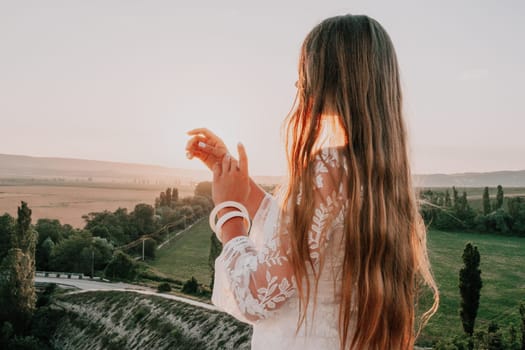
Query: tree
point(118, 225)
point(486, 201)
point(470, 286)
point(448, 202)
point(74, 253)
point(191, 286)
point(454, 196)
point(522, 314)
point(168, 197)
point(121, 266)
point(81, 252)
point(150, 246)
point(464, 211)
point(499, 197)
point(44, 253)
point(50, 228)
point(7, 229)
point(516, 208)
point(174, 195)
point(17, 273)
point(162, 199)
point(144, 218)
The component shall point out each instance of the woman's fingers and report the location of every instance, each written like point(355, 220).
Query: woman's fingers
point(213, 139)
point(216, 171)
point(214, 151)
point(243, 158)
point(199, 147)
point(198, 142)
point(226, 163)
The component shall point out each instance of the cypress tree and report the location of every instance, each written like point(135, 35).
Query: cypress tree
point(486, 201)
point(174, 195)
point(168, 197)
point(448, 202)
point(470, 286)
point(499, 198)
point(455, 196)
point(522, 314)
point(17, 273)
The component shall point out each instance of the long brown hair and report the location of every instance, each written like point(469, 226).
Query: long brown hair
point(348, 68)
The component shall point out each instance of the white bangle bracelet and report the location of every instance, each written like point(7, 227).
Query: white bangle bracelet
point(228, 216)
point(227, 204)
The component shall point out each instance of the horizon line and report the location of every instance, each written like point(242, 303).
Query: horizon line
point(255, 175)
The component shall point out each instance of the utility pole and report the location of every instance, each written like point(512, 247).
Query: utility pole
point(143, 240)
point(92, 263)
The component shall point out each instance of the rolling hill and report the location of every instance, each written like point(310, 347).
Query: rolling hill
point(68, 169)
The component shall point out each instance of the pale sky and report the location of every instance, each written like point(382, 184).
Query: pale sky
point(124, 80)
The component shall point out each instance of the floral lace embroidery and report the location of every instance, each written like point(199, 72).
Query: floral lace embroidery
point(261, 278)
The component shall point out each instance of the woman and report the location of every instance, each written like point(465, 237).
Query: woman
point(336, 261)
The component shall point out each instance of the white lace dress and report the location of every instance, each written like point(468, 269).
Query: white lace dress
point(254, 281)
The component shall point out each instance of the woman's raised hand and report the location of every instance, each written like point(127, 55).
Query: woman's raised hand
point(206, 146)
point(231, 181)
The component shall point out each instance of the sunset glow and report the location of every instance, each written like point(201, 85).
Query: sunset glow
point(124, 82)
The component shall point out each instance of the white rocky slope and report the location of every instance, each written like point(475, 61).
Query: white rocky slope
point(123, 320)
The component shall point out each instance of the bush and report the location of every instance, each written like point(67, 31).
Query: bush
point(164, 287)
point(191, 286)
point(45, 322)
point(24, 343)
point(121, 266)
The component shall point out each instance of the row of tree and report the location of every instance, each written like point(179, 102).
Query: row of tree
point(445, 212)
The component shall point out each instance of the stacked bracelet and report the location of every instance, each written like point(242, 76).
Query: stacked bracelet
point(241, 212)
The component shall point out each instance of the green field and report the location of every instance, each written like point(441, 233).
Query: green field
point(187, 256)
point(502, 261)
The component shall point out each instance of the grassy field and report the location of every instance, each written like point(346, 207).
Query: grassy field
point(187, 256)
point(502, 261)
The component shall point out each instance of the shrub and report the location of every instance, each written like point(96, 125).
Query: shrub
point(121, 266)
point(191, 286)
point(164, 287)
point(24, 343)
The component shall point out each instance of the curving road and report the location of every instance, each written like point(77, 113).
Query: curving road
point(85, 285)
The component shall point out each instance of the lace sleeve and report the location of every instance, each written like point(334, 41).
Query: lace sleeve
point(260, 278)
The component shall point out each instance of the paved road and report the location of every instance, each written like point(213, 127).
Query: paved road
point(88, 285)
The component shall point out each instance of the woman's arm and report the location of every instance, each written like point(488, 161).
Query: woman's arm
point(210, 149)
point(260, 280)
point(254, 198)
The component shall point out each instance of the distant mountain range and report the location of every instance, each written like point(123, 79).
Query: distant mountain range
point(81, 170)
point(66, 169)
point(492, 179)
